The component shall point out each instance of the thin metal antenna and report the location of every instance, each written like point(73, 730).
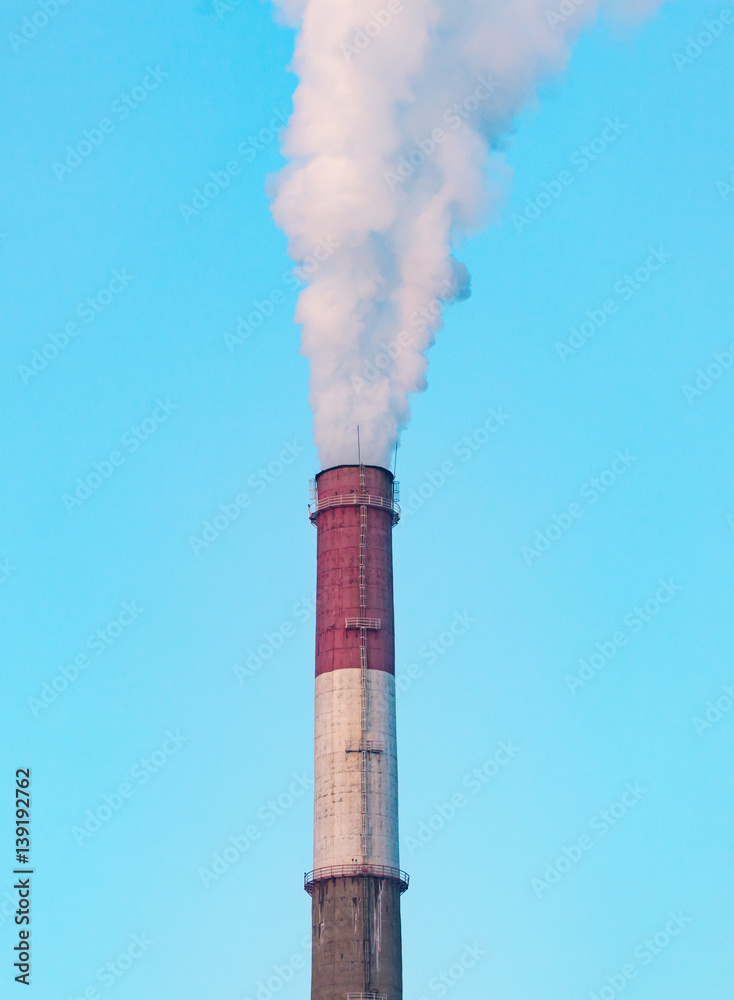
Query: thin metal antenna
point(395, 463)
point(359, 448)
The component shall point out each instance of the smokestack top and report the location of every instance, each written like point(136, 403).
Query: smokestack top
point(354, 486)
point(355, 465)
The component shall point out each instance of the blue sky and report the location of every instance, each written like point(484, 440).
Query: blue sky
point(509, 539)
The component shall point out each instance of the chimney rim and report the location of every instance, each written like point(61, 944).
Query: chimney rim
point(354, 465)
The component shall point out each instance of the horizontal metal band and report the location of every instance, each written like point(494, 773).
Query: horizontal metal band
point(355, 871)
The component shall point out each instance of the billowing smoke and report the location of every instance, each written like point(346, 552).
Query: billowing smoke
point(395, 153)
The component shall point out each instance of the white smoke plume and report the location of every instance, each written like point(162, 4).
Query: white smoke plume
point(393, 150)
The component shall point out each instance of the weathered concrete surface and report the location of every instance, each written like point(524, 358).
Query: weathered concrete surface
point(351, 954)
point(337, 774)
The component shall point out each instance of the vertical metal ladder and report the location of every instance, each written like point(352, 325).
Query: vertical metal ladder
point(365, 693)
point(365, 721)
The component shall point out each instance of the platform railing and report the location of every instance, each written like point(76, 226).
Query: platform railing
point(355, 871)
point(354, 500)
point(373, 624)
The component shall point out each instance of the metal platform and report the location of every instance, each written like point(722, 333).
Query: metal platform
point(374, 624)
point(353, 500)
point(310, 879)
point(366, 746)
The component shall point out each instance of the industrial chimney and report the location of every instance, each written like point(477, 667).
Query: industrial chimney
point(356, 883)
